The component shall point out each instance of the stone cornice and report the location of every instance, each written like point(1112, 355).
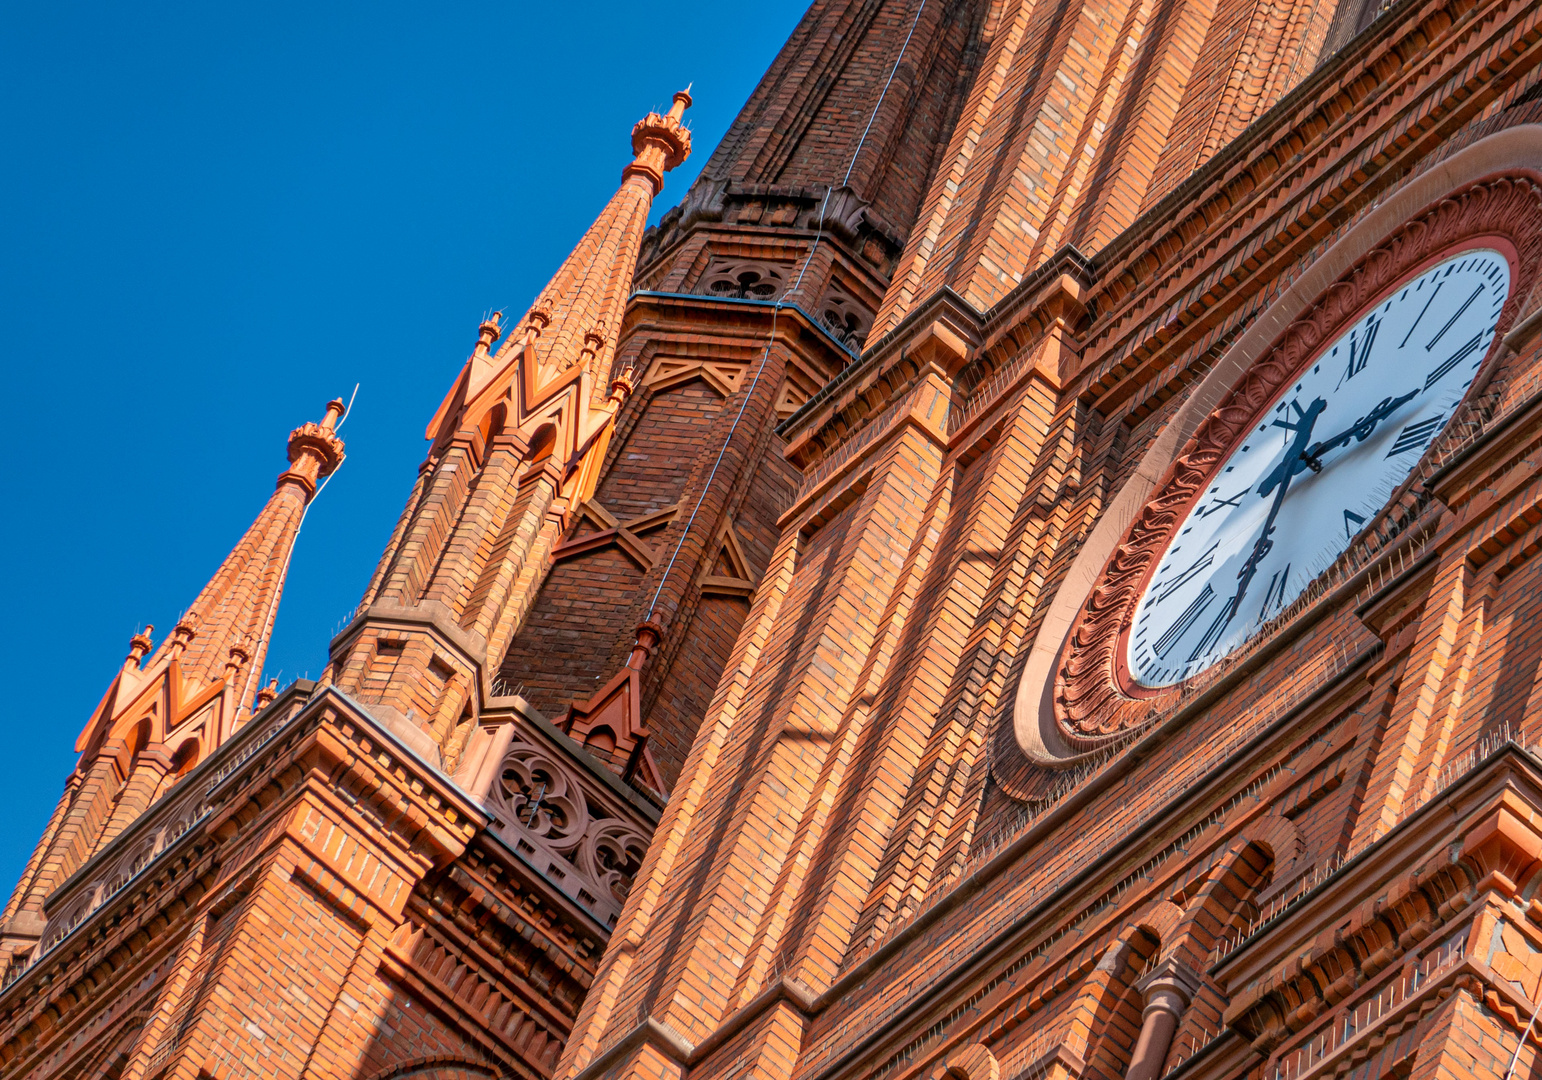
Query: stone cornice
point(739, 317)
point(431, 615)
point(198, 848)
point(211, 771)
point(940, 334)
point(1057, 290)
point(1502, 444)
point(221, 784)
point(1483, 833)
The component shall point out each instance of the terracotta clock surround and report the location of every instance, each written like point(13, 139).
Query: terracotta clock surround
point(1122, 676)
point(1094, 698)
point(1068, 702)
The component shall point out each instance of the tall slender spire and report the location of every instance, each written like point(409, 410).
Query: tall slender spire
point(224, 634)
point(516, 447)
point(161, 715)
point(577, 316)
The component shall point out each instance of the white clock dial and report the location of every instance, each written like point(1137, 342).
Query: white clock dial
point(1315, 466)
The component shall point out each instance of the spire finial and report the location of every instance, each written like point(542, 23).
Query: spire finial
point(682, 102)
point(236, 658)
point(660, 143)
point(315, 451)
point(266, 695)
point(183, 633)
point(489, 332)
point(139, 646)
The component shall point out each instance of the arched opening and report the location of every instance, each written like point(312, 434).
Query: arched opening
point(542, 443)
point(601, 742)
point(135, 741)
point(492, 424)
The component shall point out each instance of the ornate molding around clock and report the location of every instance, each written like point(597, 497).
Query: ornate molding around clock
point(1090, 706)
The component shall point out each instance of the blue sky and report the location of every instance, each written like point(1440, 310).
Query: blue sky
point(216, 217)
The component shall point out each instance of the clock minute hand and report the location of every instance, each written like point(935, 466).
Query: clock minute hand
point(1278, 482)
point(1360, 430)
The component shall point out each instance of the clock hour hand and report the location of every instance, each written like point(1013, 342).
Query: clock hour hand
point(1278, 482)
point(1360, 430)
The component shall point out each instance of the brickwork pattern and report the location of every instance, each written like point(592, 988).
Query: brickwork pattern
point(1002, 909)
point(1320, 861)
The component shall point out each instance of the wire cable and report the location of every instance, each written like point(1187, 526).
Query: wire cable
point(776, 311)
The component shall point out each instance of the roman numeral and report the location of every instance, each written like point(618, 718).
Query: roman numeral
point(1452, 320)
point(1415, 435)
point(1213, 635)
point(1195, 609)
point(1422, 310)
point(1287, 424)
point(1456, 358)
point(1359, 357)
point(1275, 595)
point(1234, 501)
point(1351, 517)
point(1188, 575)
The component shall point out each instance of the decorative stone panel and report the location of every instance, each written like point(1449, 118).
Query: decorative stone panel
point(540, 808)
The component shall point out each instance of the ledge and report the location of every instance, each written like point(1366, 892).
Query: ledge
point(810, 323)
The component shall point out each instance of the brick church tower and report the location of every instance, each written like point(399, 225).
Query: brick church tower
point(1028, 572)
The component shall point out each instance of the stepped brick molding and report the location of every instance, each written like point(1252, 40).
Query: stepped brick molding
point(738, 693)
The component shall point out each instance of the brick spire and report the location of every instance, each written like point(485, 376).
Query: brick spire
point(160, 717)
point(575, 319)
point(517, 446)
point(584, 300)
point(226, 629)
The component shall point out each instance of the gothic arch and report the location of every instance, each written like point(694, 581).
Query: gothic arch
point(1229, 894)
point(1110, 1006)
point(1161, 921)
point(542, 442)
point(1280, 838)
point(493, 423)
point(440, 1067)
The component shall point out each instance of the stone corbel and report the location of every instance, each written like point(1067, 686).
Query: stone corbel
point(1504, 850)
point(704, 202)
point(1054, 311)
point(938, 344)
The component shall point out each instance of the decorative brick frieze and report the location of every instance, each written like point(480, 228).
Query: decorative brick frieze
point(317, 810)
point(1439, 908)
point(796, 535)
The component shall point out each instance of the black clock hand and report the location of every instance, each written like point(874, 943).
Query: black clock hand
point(1277, 481)
point(1360, 430)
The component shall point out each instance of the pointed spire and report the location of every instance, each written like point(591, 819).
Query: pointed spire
point(186, 699)
point(577, 315)
point(574, 321)
point(554, 362)
point(224, 634)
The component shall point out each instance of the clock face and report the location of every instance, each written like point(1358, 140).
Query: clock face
point(1315, 466)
